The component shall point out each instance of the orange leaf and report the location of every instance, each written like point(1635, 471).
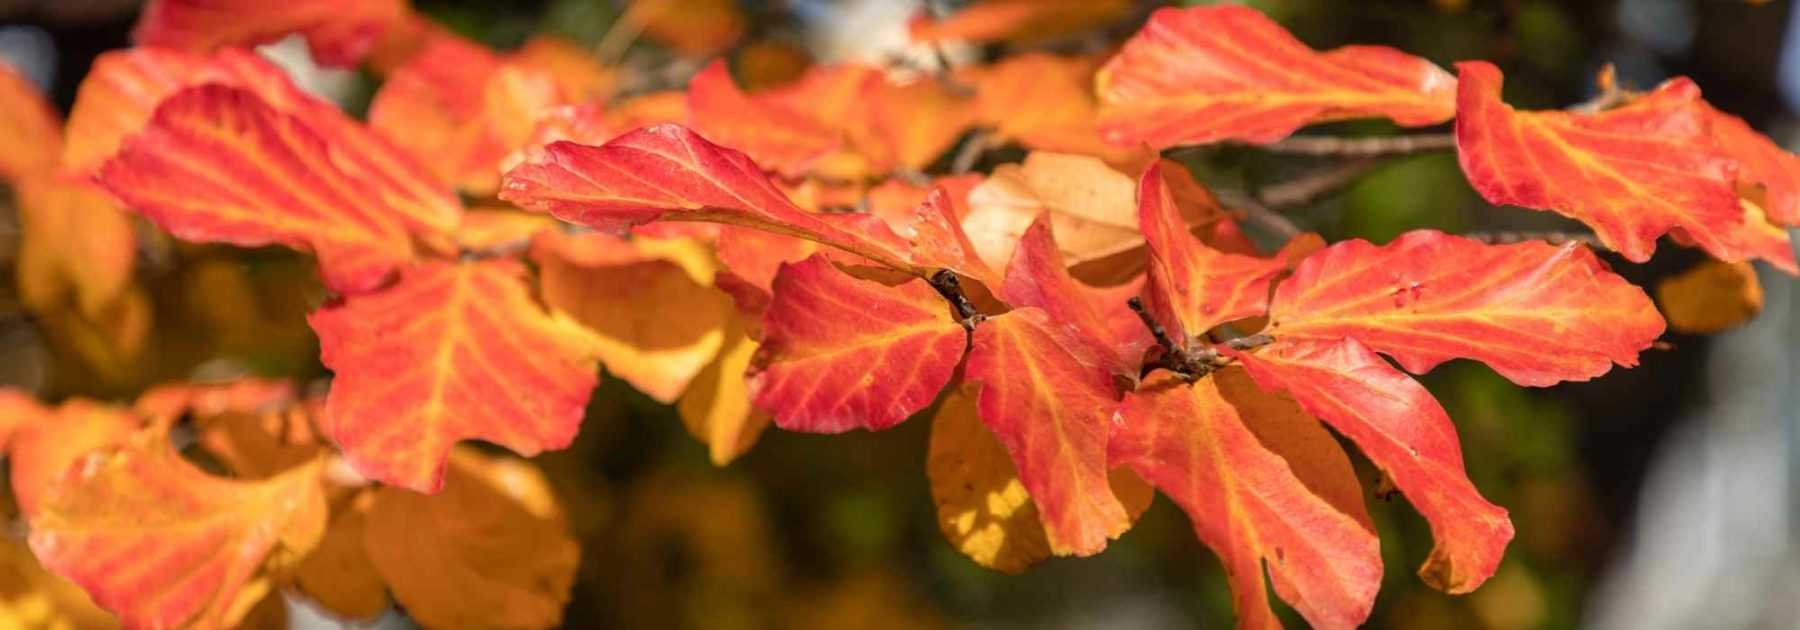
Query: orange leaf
point(696, 28)
point(161, 543)
point(219, 164)
point(500, 229)
point(1208, 74)
point(37, 598)
point(1054, 414)
point(668, 172)
point(1019, 21)
point(578, 74)
point(1406, 433)
point(1047, 103)
point(339, 575)
point(1106, 333)
point(840, 353)
point(1710, 298)
point(32, 128)
point(46, 442)
point(1248, 506)
point(491, 551)
point(1428, 297)
point(650, 302)
point(453, 351)
point(460, 110)
point(982, 508)
point(1311, 451)
point(1632, 173)
point(786, 139)
point(1193, 287)
point(77, 246)
point(1762, 165)
point(339, 32)
point(243, 396)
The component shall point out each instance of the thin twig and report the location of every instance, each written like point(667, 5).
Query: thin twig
point(1305, 189)
point(951, 288)
point(977, 144)
point(1191, 363)
point(1553, 237)
point(1255, 213)
point(1363, 147)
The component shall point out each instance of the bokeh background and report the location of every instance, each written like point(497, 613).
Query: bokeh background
point(1660, 497)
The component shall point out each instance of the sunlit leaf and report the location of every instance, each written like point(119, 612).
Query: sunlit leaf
point(453, 351)
point(340, 32)
point(716, 407)
point(1710, 298)
point(1428, 297)
point(1106, 333)
point(1632, 173)
point(1401, 428)
point(161, 543)
point(1248, 506)
point(1227, 72)
point(1053, 413)
point(650, 303)
point(47, 441)
point(219, 164)
point(1191, 286)
point(841, 353)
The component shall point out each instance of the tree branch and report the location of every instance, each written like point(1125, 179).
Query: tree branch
point(1307, 188)
point(950, 287)
point(1255, 213)
point(1553, 237)
point(1332, 146)
point(1191, 364)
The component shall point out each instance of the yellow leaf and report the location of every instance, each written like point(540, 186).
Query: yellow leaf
point(651, 302)
point(1712, 297)
point(491, 550)
point(982, 507)
point(31, 597)
point(716, 408)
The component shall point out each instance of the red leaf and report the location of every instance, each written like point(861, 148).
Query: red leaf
point(1208, 74)
point(219, 164)
point(1406, 433)
point(841, 353)
point(668, 172)
point(1429, 297)
point(339, 32)
point(1107, 334)
point(162, 544)
point(1193, 287)
point(1632, 173)
point(1761, 164)
point(1248, 506)
point(453, 351)
point(1054, 415)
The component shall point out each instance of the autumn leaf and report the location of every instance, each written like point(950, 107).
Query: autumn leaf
point(339, 32)
point(910, 124)
point(716, 407)
point(1772, 173)
point(1428, 297)
point(31, 125)
point(650, 302)
point(461, 110)
point(841, 353)
point(339, 575)
point(161, 543)
point(1022, 22)
point(1046, 102)
point(982, 507)
point(1054, 415)
point(1248, 506)
point(1710, 298)
point(579, 76)
point(45, 442)
point(491, 551)
point(218, 164)
point(170, 401)
point(453, 351)
point(1401, 428)
point(783, 139)
point(1192, 287)
point(1632, 173)
point(36, 598)
point(695, 28)
point(1106, 333)
point(500, 228)
point(668, 172)
point(77, 247)
point(1225, 72)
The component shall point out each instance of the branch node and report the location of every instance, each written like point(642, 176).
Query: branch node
point(950, 288)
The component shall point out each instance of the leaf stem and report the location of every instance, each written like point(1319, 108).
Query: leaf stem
point(950, 287)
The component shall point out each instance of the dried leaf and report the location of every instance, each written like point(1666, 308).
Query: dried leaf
point(716, 407)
